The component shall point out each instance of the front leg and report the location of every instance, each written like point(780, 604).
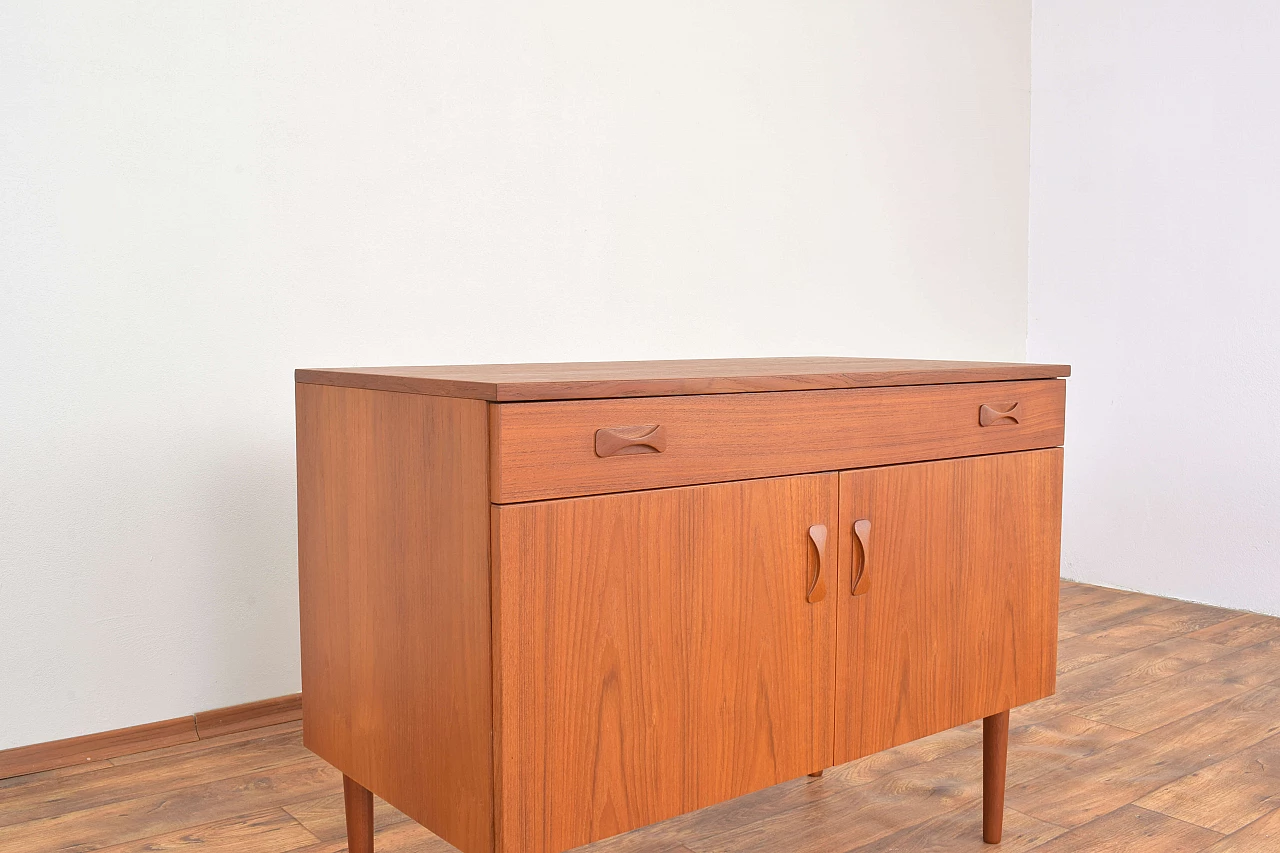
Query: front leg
point(359, 802)
point(995, 754)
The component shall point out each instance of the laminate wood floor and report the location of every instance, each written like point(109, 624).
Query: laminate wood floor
point(1164, 737)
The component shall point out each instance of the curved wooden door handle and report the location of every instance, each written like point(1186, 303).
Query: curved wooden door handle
point(862, 533)
point(1000, 413)
point(626, 440)
point(818, 589)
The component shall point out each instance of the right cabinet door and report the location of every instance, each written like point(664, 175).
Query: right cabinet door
point(948, 595)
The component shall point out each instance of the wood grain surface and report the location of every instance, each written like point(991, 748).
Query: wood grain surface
point(265, 793)
point(658, 654)
point(960, 618)
point(357, 802)
point(249, 715)
point(547, 450)
point(93, 747)
point(594, 380)
point(66, 755)
point(393, 530)
point(995, 756)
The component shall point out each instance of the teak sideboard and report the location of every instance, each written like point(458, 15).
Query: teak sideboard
point(546, 604)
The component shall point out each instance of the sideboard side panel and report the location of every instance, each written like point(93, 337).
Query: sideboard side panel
point(393, 554)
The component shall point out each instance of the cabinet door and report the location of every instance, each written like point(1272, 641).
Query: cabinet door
point(658, 652)
point(955, 565)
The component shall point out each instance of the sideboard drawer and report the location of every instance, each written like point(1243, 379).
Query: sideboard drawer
point(585, 447)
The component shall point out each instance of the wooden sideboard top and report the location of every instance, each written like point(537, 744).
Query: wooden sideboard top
point(604, 379)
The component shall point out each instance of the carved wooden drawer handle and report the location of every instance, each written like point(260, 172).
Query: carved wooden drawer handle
point(862, 533)
point(1000, 413)
point(624, 441)
point(818, 589)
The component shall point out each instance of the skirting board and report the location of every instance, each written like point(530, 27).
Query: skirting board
point(251, 715)
point(38, 757)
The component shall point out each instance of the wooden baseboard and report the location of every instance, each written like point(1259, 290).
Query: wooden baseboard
point(250, 715)
point(22, 760)
point(38, 757)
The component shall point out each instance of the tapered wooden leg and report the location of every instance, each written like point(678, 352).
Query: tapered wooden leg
point(359, 803)
point(995, 754)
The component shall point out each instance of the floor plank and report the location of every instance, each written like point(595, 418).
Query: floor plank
point(1072, 594)
point(908, 755)
point(1164, 736)
point(1106, 679)
point(403, 837)
point(1038, 747)
point(1263, 834)
point(1186, 616)
point(849, 817)
point(163, 813)
point(1134, 829)
point(326, 819)
point(269, 831)
point(1090, 787)
point(1228, 795)
point(1097, 646)
point(1170, 699)
point(1121, 608)
point(158, 776)
point(957, 831)
point(208, 743)
point(56, 773)
point(1247, 629)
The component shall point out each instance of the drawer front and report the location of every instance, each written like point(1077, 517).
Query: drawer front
point(586, 447)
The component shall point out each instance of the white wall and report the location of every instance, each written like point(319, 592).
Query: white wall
point(1155, 271)
point(198, 197)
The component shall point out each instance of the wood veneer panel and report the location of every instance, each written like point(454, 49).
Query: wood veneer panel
point(959, 620)
point(21, 760)
point(393, 524)
point(547, 450)
point(657, 654)
point(594, 380)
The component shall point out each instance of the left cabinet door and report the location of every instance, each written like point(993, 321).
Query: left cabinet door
point(659, 651)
